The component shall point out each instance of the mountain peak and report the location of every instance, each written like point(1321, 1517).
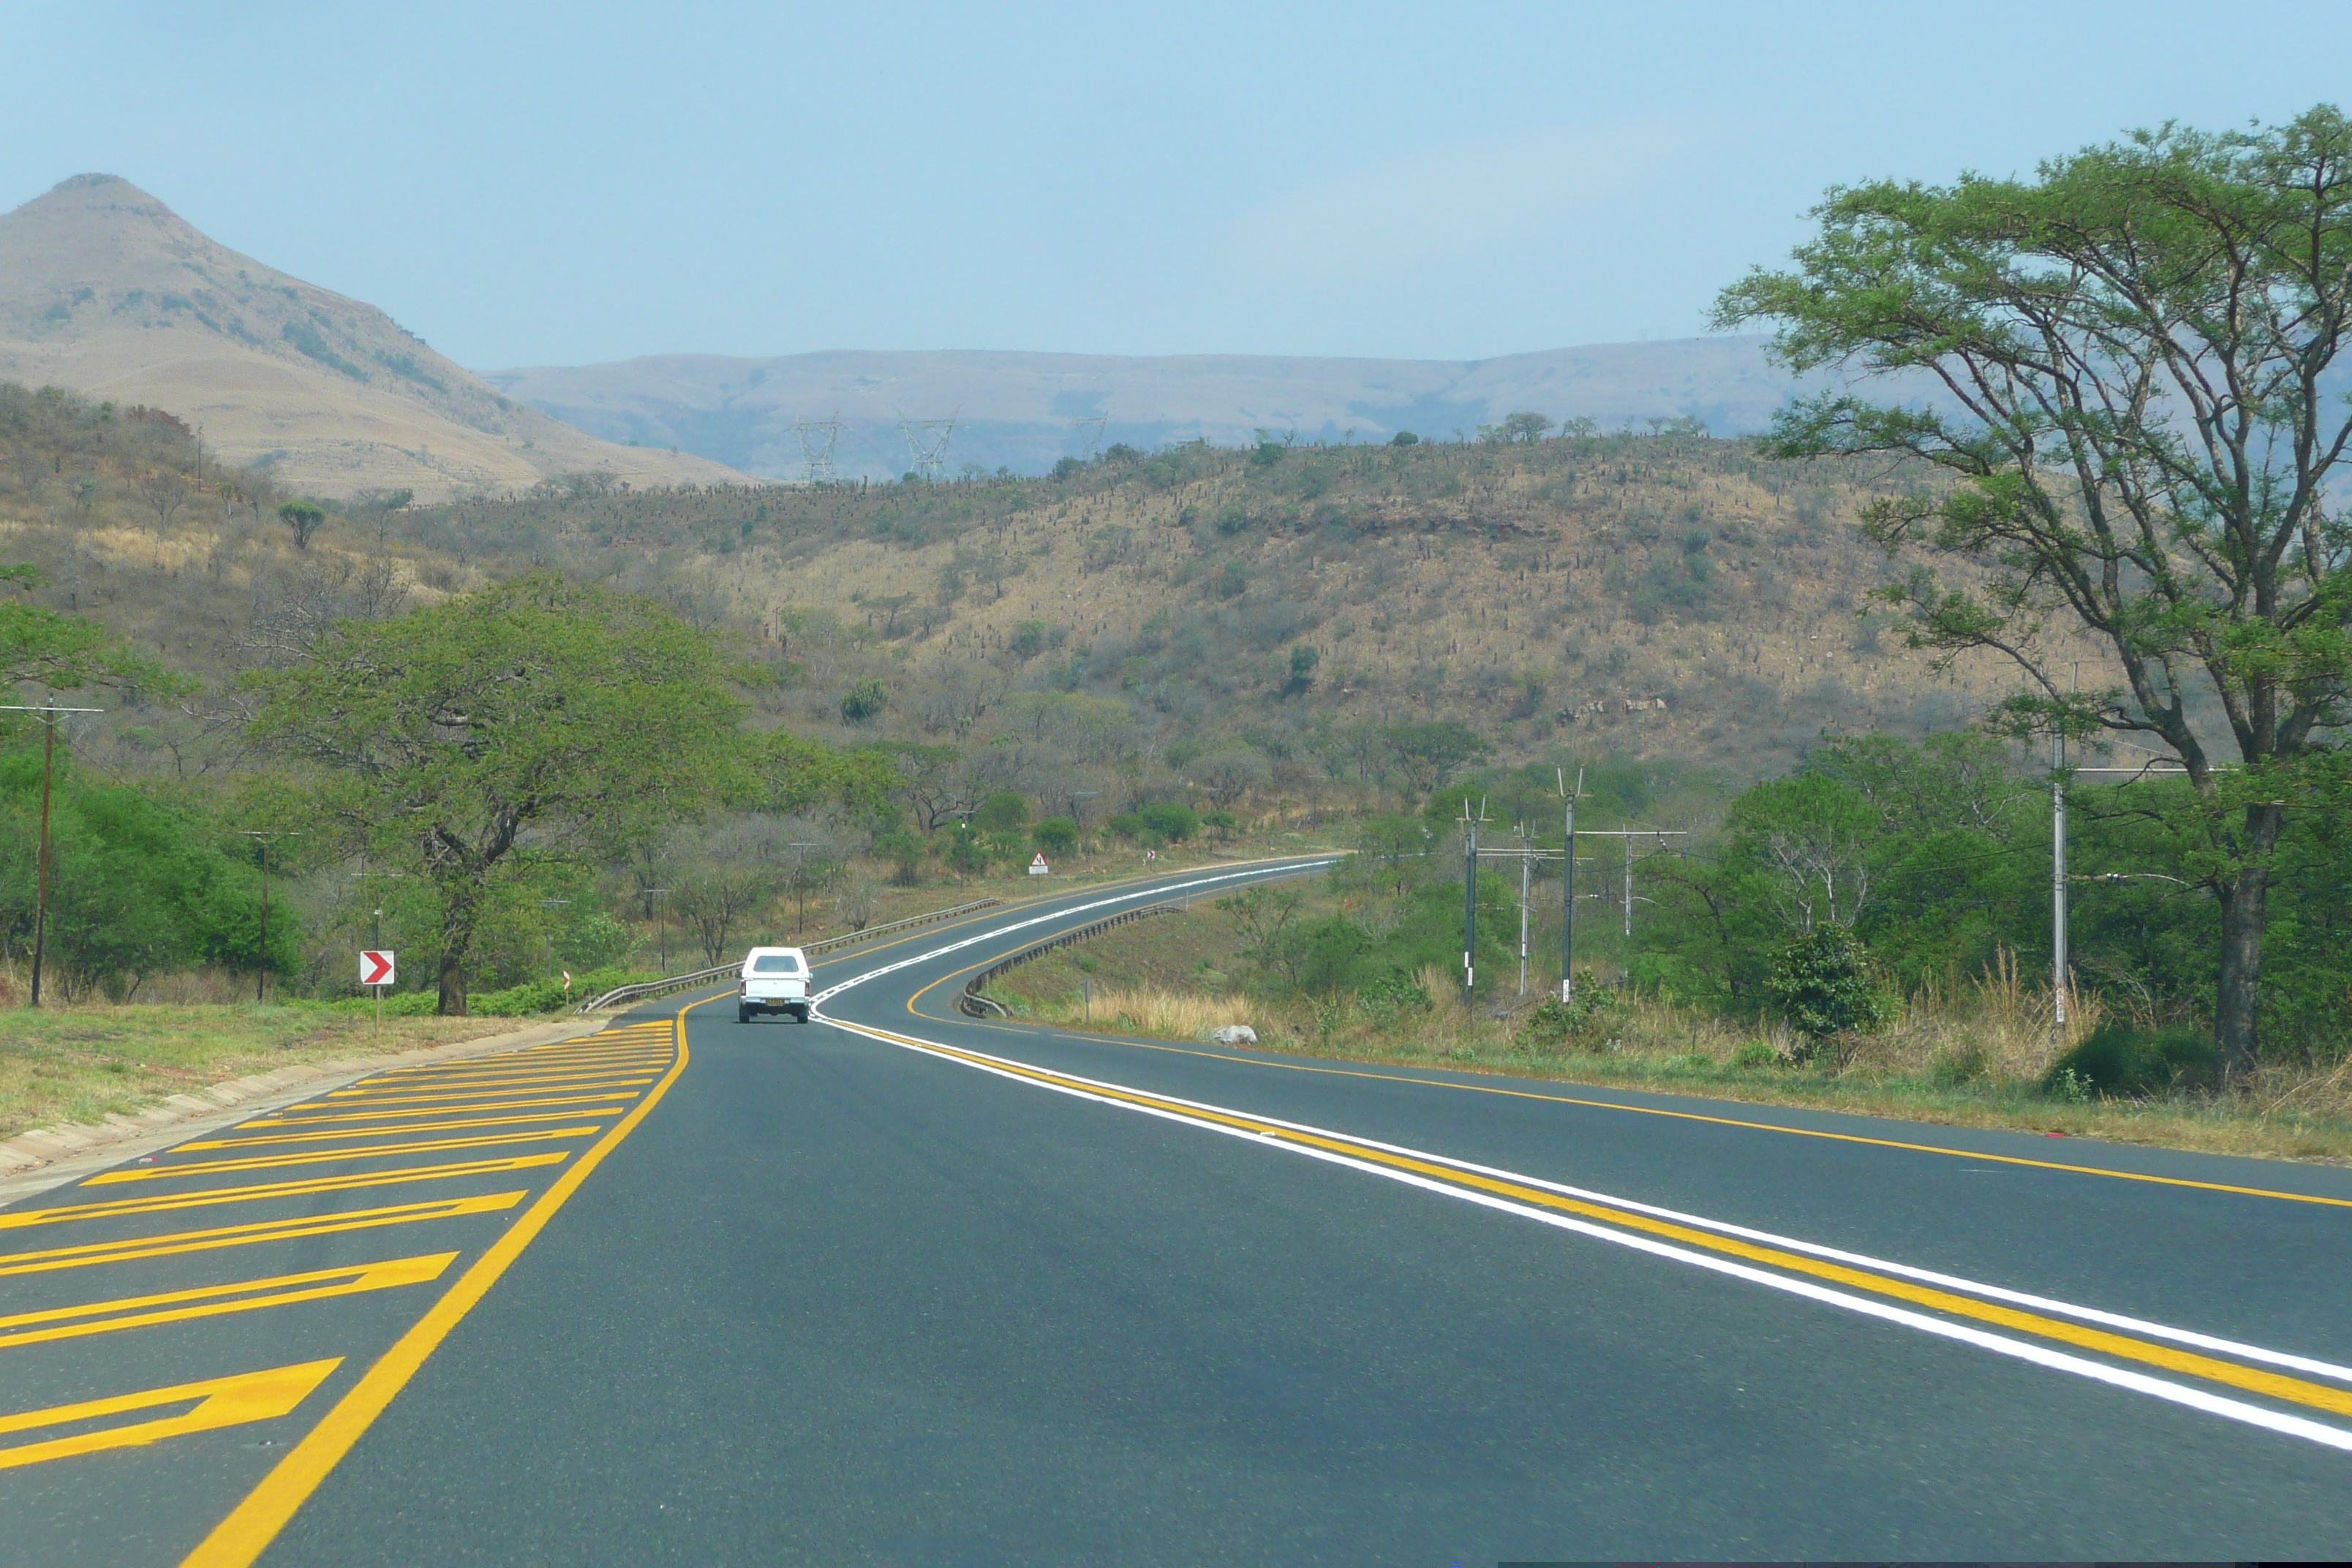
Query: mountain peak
point(106, 291)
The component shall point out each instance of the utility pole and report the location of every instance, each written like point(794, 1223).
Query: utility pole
point(549, 934)
point(1470, 902)
point(262, 835)
point(1567, 886)
point(1526, 863)
point(2058, 900)
point(662, 930)
point(48, 763)
point(800, 880)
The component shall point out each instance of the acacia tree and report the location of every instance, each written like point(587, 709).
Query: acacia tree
point(2143, 441)
point(537, 717)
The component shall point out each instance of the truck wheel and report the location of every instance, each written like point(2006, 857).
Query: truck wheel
point(742, 1015)
point(800, 1014)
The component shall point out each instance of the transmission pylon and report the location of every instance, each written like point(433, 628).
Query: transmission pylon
point(817, 439)
point(927, 443)
point(1089, 433)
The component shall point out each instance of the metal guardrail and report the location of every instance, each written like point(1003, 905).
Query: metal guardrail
point(973, 1005)
point(670, 983)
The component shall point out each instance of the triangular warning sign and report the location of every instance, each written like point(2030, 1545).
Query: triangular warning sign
point(1038, 858)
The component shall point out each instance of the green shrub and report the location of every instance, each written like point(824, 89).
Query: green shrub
point(1056, 835)
point(1391, 997)
point(2118, 1059)
point(1755, 1054)
point(1826, 983)
point(1591, 1014)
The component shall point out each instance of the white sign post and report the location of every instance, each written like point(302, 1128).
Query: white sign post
point(1038, 866)
point(376, 969)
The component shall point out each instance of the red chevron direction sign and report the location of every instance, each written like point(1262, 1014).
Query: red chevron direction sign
point(375, 969)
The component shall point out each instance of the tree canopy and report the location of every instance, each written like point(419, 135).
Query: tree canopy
point(531, 718)
point(2141, 431)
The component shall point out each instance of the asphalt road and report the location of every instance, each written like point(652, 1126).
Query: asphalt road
point(903, 1286)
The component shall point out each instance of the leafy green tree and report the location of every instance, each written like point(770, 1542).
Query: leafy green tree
point(1003, 811)
point(535, 719)
point(904, 850)
point(1404, 438)
point(65, 652)
point(969, 852)
point(2146, 443)
point(137, 888)
point(302, 519)
point(1057, 835)
point(863, 703)
point(1431, 752)
point(1303, 661)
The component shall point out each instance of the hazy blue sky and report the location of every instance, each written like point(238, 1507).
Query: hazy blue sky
point(544, 183)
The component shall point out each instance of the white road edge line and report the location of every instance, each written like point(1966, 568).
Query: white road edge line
point(2140, 1383)
point(994, 932)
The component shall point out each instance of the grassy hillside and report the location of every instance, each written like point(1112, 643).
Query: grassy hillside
point(1270, 610)
point(1659, 595)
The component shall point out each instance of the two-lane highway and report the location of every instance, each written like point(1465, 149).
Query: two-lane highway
point(901, 1285)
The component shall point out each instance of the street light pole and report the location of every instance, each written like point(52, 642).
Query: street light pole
point(41, 896)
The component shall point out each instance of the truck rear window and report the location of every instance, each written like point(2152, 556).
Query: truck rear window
point(775, 963)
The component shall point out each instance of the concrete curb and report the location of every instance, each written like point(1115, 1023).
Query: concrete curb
point(47, 1157)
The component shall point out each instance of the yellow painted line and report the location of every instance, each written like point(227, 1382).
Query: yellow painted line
point(649, 1068)
point(450, 1082)
point(398, 1127)
point(603, 1061)
point(157, 1203)
point(618, 1066)
point(256, 1522)
point(219, 1402)
point(97, 1252)
point(406, 1094)
point(616, 1099)
point(1657, 1111)
point(216, 1300)
point(328, 1156)
point(2276, 1385)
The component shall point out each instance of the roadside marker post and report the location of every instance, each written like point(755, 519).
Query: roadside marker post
point(377, 970)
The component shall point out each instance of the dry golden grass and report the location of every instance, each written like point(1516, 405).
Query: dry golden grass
point(1976, 1059)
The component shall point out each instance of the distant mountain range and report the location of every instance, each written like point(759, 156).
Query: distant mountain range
point(1024, 411)
point(104, 291)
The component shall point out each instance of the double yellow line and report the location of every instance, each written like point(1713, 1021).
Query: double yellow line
point(1431, 1171)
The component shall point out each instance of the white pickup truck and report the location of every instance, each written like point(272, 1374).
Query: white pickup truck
point(775, 980)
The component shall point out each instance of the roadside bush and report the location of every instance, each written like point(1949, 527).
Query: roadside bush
point(1172, 822)
point(1826, 983)
point(1592, 1013)
point(1056, 835)
point(1392, 997)
point(2118, 1059)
